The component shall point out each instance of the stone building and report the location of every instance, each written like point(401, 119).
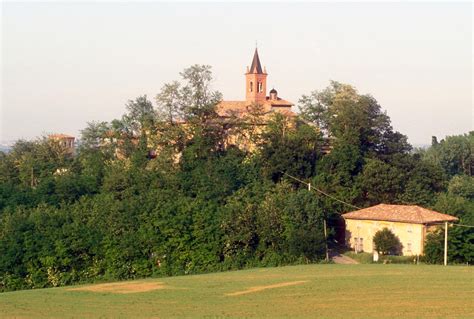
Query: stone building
point(255, 94)
point(65, 141)
point(244, 120)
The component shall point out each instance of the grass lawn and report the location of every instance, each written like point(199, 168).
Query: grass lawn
point(312, 291)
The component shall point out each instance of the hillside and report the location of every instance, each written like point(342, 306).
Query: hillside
point(311, 291)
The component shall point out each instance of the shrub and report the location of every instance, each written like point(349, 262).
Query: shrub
point(386, 243)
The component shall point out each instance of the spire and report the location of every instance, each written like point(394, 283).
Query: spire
point(256, 66)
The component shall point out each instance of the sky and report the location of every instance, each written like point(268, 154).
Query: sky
point(66, 64)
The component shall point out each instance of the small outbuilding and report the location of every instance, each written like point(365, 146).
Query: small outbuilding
point(410, 223)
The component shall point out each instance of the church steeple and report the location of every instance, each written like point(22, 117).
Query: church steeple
point(256, 81)
point(256, 66)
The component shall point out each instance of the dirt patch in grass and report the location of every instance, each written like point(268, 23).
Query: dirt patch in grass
point(261, 288)
point(122, 288)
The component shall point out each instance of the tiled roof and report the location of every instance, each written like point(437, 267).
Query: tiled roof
point(400, 213)
point(279, 102)
point(240, 108)
point(59, 136)
point(232, 108)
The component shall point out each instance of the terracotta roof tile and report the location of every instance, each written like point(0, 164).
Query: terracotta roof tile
point(400, 213)
point(240, 108)
point(59, 136)
point(279, 102)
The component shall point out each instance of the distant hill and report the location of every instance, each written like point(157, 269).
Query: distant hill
point(5, 148)
point(422, 146)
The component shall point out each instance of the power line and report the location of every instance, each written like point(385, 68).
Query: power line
point(320, 191)
point(470, 226)
point(460, 225)
point(345, 203)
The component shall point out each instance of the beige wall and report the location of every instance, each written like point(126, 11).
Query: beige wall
point(411, 235)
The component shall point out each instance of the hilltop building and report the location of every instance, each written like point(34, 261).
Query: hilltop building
point(255, 94)
point(409, 223)
point(64, 140)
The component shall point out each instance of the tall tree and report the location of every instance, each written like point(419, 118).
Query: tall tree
point(348, 117)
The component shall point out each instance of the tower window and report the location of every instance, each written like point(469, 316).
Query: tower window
point(260, 87)
point(251, 86)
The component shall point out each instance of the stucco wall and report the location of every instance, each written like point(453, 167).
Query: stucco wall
point(411, 235)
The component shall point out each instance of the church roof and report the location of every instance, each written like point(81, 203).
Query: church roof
point(278, 102)
point(241, 108)
point(400, 213)
point(256, 67)
point(60, 136)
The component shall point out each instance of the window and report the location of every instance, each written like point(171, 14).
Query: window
point(358, 244)
point(409, 247)
point(251, 86)
point(409, 229)
point(260, 87)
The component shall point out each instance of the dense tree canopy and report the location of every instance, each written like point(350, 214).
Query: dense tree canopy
point(160, 191)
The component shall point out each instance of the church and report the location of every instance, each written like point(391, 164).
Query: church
point(256, 94)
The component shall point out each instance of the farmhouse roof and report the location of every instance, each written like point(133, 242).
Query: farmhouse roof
point(400, 213)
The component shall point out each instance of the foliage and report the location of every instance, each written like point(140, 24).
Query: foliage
point(386, 242)
point(151, 195)
point(454, 154)
point(460, 243)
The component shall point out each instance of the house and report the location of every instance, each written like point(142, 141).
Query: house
point(65, 141)
point(409, 223)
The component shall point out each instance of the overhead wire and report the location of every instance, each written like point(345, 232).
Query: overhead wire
point(320, 191)
point(343, 202)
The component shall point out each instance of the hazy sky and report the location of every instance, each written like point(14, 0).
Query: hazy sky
point(64, 65)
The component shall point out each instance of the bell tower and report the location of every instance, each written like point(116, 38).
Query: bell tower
point(256, 81)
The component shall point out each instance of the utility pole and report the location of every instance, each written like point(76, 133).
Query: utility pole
point(325, 230)
point(445, 243)
point(326, 239)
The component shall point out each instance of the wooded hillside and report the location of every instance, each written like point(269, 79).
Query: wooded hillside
point(113, 211)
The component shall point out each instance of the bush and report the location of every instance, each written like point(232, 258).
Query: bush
point(386, 243)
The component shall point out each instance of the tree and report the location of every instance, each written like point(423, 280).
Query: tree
point(454, 154)
point(386, 242)
point(96, 135)
point(350, 118)
point(460, 246)
point(380, 182)
point(169, 101)
point(140, 116)
point(289, 148)
point(193, 100)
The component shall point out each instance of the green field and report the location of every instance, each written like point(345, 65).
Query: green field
point(312, 291)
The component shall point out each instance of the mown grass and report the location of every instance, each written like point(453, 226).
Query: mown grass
point(319, 291)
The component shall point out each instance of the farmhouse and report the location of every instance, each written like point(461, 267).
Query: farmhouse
point(409, 223)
